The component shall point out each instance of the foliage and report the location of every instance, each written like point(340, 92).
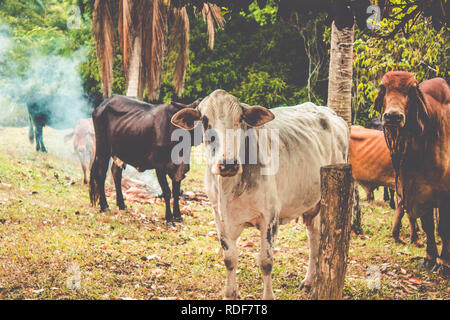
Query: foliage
point(265, 15)
point(424, 52)
point(257, 58)
point(244, 52)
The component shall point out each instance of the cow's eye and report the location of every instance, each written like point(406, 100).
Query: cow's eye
point(205, 122)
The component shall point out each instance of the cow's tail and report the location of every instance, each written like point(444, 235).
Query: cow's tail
point(94, 190)
point(31, 130)
point(98, 115)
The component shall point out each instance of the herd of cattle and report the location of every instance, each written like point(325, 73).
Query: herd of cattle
point(410, 154)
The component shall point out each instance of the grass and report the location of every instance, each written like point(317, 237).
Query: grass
point(50, 235)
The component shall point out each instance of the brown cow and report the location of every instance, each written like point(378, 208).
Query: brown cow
point(372, 167)
point(83, 137)
point(416, 121)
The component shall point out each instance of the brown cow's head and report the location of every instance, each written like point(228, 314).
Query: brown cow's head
point(223, 118)
point(401, 103)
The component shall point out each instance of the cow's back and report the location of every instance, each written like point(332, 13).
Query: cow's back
point(370, 158)
point(310, 137)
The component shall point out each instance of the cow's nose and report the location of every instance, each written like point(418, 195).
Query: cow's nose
point(228, 167)
point(393, 118)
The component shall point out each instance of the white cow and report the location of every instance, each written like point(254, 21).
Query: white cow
point(282, 185)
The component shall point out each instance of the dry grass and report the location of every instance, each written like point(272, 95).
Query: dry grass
point(48, 229)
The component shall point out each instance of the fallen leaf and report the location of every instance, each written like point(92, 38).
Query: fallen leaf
point(158, 272)
point(186, 210)
point(415, 280)
point(249, 244)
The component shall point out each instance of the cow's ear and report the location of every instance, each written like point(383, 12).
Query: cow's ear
point(186, 118)
point(179, 105)
point(195, 103)
point(379, 100)
point(417, 115)
point(257, 116)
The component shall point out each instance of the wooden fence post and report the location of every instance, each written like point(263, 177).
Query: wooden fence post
point(335, 227)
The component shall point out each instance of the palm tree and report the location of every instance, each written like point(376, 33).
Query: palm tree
point(143, 27)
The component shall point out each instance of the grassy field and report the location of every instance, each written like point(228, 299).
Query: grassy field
point(54, 245)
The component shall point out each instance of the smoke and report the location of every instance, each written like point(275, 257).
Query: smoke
point(147, 179)
point(53, 82)
point(49, 79)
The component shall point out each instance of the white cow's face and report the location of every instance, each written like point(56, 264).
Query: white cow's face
point(224, 122)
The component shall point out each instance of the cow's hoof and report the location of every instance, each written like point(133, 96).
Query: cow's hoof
point(444, 271)
point(124, 207)
point(428, 263)
point(105, 209)
point(178, 219)
point(357, 229)
point(441, 269)
point(305, 285)
point(231, 296)
point(398, 241)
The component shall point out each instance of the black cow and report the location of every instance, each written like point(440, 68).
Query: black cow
point(56, 111)
point(137, 133)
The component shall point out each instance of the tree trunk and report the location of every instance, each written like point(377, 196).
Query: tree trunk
point(134, 84)
point(335, 226)
point(341, 72)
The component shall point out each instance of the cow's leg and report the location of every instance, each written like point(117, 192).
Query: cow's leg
point(356, 211)
point(392, 198)
point(176, 200)
point(116, 172)
point(313, 241)
point(370, 195)
point(444, 233)
point(40, 139)
point(428, 227)
point(162, 179)
point(413, 229)
point(386, 197)
point(83, 167)
point(268, 235)
point(99, 170)
point(38, 133)
point(228, 235)
point(230, 258)
point(399, 213)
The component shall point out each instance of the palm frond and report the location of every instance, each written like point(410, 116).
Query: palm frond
point(212, 16)
point(179, 46)
point(103, 30)
point(154, 35)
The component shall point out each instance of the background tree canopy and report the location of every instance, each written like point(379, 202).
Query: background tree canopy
point(256, 57)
